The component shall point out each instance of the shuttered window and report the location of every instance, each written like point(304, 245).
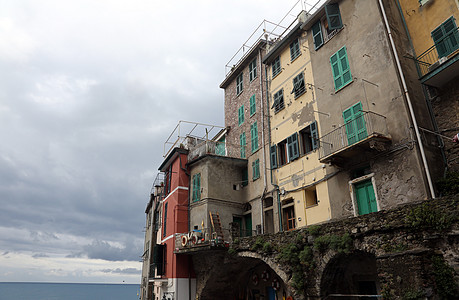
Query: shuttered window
point(196, 187)
point(242, 144)
point(165, 219)
point(253, 107)
point(273, 156)
point(253, 70)
point(276, 66)
point(333, 16)
point(292, 146)
point(254, 136)
point(295, 49)
point(241, 115)
point(278, 103)
point(256, 169)
point(239, 84)
point(317, 35)
point(446, 38)
point(340, 68)
point(298, 85)
point(355, 124)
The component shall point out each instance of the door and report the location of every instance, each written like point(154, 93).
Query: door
point(271, 293)
point(248, 225)
point(355, 124)
point(238, 220)
point(365, 197)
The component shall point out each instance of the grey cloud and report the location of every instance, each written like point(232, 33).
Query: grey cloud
point(103, 250)
point(122, 271)
point(39, 255)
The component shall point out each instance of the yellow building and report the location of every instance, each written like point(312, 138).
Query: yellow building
point(432, 27)
point(303, 192)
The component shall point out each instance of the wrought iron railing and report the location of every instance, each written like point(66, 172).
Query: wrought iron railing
point(368, 124)
point(204, 147)
point(433, 57)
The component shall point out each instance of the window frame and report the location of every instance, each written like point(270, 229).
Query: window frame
point(295, 49)
point(239, 83)
point(299, 87)
point(276, 66)
point(278, 101)
point(241, 115)
point(253, 70)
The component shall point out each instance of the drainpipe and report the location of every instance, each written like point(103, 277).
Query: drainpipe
point(263, 147)
point(405, 90)
point(149, 246)
point(279, 212)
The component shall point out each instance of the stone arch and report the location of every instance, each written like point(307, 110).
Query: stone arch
point(350, 274)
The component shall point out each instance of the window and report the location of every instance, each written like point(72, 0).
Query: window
point(311, 197)
point(446, 38)
point(256, 169)
point(273, 156)
point(253, 69)
point(220, 147)
point(282, 151)
point(241, 115)
point(168, 181)
point(245, 177)
point(165, 219)
point(254, 136)
point(354, 121)
point(276, 66)
point(298, 85)
point(340, 68)
point(295, 49)
point(288, 212)
point(309, 138)
point(239, 84)
point(328, 26)
point(333, 16)
point(317, 35)
point(278, 104)
point(292, 146)
point(253, 107)
point(242, 144)
point(196, 187)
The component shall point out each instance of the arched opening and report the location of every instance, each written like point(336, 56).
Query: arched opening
point(350, 276)
point(243, 278)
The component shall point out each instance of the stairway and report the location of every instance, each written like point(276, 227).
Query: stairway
point(216, 225)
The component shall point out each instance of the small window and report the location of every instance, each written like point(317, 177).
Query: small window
point(253, 70)
point(317, 35)
point(309, 138)
point(340, 68)
point(328, 26)
point(289, 217)
point(256, 169)
point(278, 103)
point(311, 197)
point(282, 151)
point(239, 84)
point(241, 115)
point(298, 85)
point(253, 107)
point(196, 187)
point(295, 49)
point(165, 219)
point(333, 16)
point(276, 66)
point(242, 144)
point(273, 156)
point(446, 38)
point(254, 136)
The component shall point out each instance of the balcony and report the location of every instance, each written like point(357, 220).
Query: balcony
point(367, 132)
point(201, 240)
point(440, 63)
point(201, 147)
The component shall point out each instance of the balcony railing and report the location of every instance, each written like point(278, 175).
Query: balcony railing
point(204, 147)
point(433, 57)
point(201, 239)
point(367, 126)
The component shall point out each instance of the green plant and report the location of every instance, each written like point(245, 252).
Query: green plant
point(289, 254)
point(258, 244)
point(339, 243)
point(449, 185)
point(232, 251)
point(236, 241)
point(306, 258)
point(444, 278)
point(298, 281)
point(399, 247)
point(314, 230)
point(267, 247)
point(427, 216)
point(413, 295)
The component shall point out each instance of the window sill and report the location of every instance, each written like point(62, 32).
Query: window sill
point(311, 206)
point(274, 76)
point(341, 88)
point(253, 78)
point(292, 60)
point(302, 93)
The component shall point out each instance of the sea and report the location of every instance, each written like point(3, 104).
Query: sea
point(67, 291)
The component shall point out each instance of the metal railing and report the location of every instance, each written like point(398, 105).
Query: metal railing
point(204, 147)
point(433, 57)
point(369, 124)
point(200, 238)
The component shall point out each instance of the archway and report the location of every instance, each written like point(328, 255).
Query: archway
point(346, 276)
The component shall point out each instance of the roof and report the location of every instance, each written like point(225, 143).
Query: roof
point(171, 157)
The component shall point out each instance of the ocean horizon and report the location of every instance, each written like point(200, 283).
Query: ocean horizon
point(68, 291)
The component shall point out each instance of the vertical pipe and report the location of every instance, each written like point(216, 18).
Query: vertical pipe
point(263, 143)
point(410, 106)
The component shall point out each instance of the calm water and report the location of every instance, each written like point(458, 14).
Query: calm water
point(67, 291)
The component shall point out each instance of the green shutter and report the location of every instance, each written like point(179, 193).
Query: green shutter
point(333, 16)
point(273, 155)
point(336, 72)
point(446, 38)
point(242, 144)
point(241, 115)
point(344, 64)
point(254, 136)
point(196, 187)
point(355, 124)
point(256, 169)
point(220, 147)
point(314, 135)
point(317, 35)
point(252, 105)
point(340, 68)
point(292, 145)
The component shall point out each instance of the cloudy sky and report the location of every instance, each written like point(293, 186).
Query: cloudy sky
point(89, 92)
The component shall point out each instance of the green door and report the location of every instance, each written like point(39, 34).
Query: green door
point(248, 224)
point(355, 124)
point(366, 200)
point(220, 147)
